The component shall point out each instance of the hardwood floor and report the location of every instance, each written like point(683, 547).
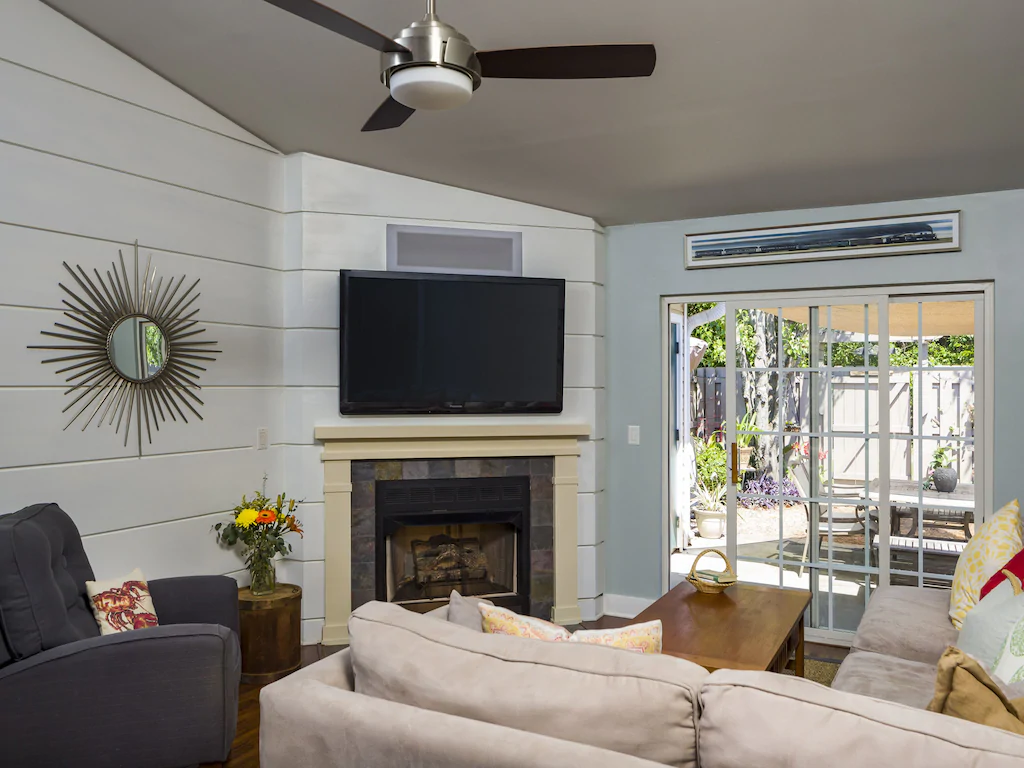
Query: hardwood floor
point(245, 751)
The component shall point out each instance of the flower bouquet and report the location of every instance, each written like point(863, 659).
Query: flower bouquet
point(260, 524)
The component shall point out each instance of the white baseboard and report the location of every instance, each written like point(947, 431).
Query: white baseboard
point(625, 606)
point(591, 608)
point(312, 631)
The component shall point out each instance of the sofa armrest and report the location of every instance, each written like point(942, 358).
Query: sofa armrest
point(196, 600)
point(163, 696)
point(314, 719)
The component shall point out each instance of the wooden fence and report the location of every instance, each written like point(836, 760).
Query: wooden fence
point(946, 403)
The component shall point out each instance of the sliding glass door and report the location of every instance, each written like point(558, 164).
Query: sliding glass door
point(851, 427)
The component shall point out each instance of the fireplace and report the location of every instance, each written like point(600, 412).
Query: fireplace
point(468, 534)
point(357, 457)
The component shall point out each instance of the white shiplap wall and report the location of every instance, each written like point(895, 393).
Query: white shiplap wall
point(97, 151)
point(338, 216)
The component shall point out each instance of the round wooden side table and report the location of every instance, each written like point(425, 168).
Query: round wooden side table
point(271, 633)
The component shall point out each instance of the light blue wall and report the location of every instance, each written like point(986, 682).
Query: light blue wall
point(645, 262)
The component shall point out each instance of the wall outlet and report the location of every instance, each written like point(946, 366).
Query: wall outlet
point(634, 435)
point(262, 439)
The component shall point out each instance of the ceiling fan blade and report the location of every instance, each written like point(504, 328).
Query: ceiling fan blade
point(390, 114)
point(328, 18)
point(570, 62)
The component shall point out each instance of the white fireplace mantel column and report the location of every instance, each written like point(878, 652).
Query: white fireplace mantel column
point(345, 444)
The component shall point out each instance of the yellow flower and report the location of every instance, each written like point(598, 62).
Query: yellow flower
point(246, 517)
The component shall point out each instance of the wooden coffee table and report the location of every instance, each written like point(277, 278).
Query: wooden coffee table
point(748, 626)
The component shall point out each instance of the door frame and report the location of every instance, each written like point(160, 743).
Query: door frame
point(924, 290)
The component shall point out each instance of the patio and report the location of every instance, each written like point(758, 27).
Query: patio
point(757, 541)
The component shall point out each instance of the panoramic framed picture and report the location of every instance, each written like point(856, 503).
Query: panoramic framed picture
point(890, 236)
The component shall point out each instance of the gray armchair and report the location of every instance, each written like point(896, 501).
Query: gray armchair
point(162, 697)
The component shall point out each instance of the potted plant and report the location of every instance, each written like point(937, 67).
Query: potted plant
point(942, 474)
point(709, 509)
point(745, 442)
point(260, 524)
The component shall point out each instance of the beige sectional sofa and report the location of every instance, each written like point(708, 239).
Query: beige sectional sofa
point(419, 691)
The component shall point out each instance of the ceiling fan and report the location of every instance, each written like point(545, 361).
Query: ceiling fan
point(431, 65)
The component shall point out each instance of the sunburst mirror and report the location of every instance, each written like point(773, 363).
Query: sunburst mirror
point(134, 353)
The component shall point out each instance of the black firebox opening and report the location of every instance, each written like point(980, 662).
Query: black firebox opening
point(471, 535)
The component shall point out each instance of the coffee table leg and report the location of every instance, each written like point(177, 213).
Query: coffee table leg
point(798, 663)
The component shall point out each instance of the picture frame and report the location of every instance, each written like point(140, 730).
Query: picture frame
point(854, 238)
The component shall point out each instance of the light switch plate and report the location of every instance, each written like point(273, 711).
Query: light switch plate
point(262, 439)
point(634, 435)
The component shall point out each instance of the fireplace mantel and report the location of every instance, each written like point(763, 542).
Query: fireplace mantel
point(359, 442)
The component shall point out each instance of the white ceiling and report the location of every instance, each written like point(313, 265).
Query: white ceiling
point(755, 105)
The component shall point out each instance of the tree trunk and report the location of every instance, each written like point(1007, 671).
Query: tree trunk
point(760, 388)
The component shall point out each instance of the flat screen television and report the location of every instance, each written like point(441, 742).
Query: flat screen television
point(432, 343)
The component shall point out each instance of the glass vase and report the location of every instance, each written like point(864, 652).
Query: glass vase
point(264, 577)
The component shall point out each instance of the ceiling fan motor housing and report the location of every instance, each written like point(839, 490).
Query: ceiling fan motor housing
point(431, 43)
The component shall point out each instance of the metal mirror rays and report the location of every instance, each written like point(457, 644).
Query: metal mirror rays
point(134, 350)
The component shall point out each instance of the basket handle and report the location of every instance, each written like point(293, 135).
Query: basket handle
point(728, 565)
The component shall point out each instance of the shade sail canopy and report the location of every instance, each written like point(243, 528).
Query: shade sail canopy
point(929, 319)
point(907, 321)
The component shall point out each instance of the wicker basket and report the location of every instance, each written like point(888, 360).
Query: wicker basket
point(712, 582)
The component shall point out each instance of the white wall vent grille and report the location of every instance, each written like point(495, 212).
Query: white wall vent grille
point(455, 251)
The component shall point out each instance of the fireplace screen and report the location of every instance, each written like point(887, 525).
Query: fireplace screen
point(426, 562)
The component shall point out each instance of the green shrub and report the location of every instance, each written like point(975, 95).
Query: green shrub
point(712, 469)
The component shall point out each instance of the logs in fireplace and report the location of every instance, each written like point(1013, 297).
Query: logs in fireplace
point(471, 534)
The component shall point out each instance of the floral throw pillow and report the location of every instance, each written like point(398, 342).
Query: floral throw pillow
point(119, 605)
point(642, 638)
point(501, 621)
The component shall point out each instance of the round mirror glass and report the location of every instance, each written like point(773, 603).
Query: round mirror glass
point(137, 348)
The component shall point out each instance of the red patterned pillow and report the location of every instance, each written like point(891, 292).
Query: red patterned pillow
point(122, 604)
point(1015, 567)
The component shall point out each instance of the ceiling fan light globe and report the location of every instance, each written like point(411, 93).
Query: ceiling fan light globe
point(431, 87)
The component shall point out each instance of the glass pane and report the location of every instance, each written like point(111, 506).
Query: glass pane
point(848, 599)
point(795, 400)
point(757, 406)
point(796, 323)
point(757, 343)
point(850, 398)
point(759, 572)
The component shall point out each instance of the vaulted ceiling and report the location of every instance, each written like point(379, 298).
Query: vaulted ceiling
point(755, 104)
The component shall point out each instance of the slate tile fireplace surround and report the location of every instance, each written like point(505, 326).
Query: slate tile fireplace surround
point(412, 511)
point(506, 500)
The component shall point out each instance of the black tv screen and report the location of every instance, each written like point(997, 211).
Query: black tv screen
point(431, 343)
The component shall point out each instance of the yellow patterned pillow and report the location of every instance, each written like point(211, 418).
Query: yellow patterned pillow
point(642, 638)
point(499, 621)
point(994, 543)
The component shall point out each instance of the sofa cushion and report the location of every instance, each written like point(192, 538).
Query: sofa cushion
point(994, 543)
point(43, 570)
point(465, 611)
point(1012, 570)
point(887, 677)
point(646, 706)
point(777, 721)
point(1009, 666)
point(964, 689)
point(989, 623)
point(908, 622)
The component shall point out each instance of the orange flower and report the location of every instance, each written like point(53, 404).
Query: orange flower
point(266, 516)
point(293, 525)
